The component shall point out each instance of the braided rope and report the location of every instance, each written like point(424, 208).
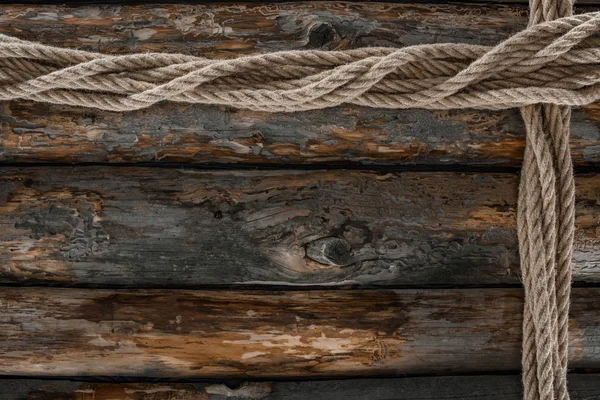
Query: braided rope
point(551, 65)
point(553, 62)
point(546, 229)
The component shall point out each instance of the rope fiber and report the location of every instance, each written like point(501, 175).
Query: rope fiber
point(551, 65)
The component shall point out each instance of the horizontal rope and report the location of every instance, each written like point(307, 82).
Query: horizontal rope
point(554, 62)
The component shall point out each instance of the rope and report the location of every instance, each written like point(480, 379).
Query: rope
point(546, 229)
point(553, 62)
point(551, 65)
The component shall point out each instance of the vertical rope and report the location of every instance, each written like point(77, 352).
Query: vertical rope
point(546, 226)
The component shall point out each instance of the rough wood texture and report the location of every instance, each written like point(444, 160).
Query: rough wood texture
point(187, 334)
point(463, 2)
point(505, 387)
point(155, 226)
point(178, 133)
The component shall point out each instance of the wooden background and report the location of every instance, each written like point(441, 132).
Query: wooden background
point(193, 252)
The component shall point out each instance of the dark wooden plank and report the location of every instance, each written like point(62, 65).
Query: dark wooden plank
point(222, 30)
point(348, 135)
point(438, 2)
point(502, 387)
point(157, 226)
point(193, 334)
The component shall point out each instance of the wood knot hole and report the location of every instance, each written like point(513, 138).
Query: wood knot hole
point(321, 36)
point(332, 251)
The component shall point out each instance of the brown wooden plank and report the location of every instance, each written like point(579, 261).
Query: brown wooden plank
point(440, 2)
point(349, 135)
point(157, 226)
point(192, 334)
point(500, 387)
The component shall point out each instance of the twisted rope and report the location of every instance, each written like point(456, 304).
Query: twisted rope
point(553, 64)
point(546, 229)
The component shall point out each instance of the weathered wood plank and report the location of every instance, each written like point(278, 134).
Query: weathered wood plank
point(157, 226)
point(439, 2)
point(187, 334)
point(184, 133)
point(503, 387)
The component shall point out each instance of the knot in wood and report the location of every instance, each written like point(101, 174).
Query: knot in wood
point(321, 36)
point(332, 251)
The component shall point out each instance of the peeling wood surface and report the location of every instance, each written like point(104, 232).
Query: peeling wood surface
point(69, 390)
point(173, 227)
point(222, 30)
point(504, 387)
point(345, 135)
point(192, 334)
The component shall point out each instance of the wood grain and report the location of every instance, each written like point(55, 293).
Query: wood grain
point(502, 387)
point(104, 2)
point(193, 334)
point(175, 228)
point(345, 135)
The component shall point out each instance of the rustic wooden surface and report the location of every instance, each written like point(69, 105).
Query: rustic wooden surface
point(192, 334)
point(157, 226)
point(345, 135)
point(172, 228)
point(503, 387)
point(581, 4)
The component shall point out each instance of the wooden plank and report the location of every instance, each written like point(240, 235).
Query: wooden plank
point(344, 135)
point(585, 3)
point(173, 227)
point(501, 387)
point(193, 334)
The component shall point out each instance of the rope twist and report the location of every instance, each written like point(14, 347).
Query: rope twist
point(554, 62)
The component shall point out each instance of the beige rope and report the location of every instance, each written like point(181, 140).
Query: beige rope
point(555, 61)
point(546, 228)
